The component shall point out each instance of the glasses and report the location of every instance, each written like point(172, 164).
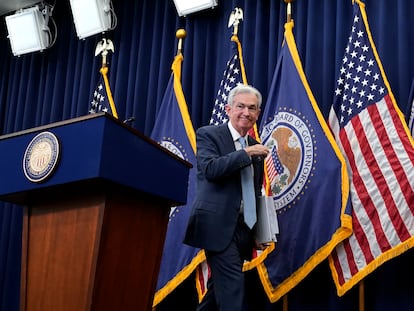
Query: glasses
point(250, 108)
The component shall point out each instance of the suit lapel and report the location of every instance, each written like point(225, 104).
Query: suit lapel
point(226, 140)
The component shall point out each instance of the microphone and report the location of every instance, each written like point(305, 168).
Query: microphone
point(129, 120)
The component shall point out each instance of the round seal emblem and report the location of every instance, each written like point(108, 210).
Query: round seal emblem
point(41, 157)
point(292, 154)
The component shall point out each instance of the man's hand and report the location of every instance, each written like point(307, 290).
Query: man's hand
point(257, 150)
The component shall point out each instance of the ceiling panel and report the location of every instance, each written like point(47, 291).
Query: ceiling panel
point(8, 6)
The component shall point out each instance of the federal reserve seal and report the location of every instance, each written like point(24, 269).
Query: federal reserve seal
point(291, 159)
point(178, 149)
point(41, 157)
point(175, 147)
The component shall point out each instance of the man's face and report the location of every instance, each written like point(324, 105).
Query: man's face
point(244, 112)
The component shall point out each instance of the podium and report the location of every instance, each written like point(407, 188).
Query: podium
point(96, 196)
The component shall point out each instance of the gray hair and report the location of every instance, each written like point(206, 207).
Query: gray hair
point(241, 89)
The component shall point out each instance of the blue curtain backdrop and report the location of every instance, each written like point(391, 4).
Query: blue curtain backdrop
point(40, 88)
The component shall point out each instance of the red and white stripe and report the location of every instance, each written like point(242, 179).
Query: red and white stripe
point(270, 167)
point(380, 161)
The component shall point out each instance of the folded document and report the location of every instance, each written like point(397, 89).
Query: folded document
point(267, 226)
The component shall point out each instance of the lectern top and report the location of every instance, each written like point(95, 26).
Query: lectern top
point(95, 147)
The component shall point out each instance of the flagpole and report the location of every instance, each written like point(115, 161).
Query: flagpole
point(180, 34)
point(178, 89)
point(285, 303)
point(103, 47)
point(361, 295)
point(234, 20)
point(288, 10)
point(288, 20)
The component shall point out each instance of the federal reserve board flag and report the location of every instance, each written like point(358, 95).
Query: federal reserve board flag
point(308, 177)
point(409, 114)
point(373, 136)
point(174, 130)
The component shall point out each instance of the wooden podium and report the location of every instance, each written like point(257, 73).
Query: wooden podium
point(94, 227)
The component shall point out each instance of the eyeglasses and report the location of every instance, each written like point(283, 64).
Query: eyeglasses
point(251, 108)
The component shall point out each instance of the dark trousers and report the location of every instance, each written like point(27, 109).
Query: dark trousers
point(225, 288)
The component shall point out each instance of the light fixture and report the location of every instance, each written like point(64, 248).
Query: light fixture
point(92, 16)
point(28, 29)
point(185, 7)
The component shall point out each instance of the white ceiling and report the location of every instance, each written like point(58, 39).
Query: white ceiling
point(8, 6)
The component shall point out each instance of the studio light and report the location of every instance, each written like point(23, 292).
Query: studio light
point(185, 7)
point(92, 16)
point(28, 29)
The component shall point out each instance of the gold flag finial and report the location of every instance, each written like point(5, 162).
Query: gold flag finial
point(234, 20)
point(180, 34)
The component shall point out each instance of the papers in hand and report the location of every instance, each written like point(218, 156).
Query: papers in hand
point(267, 226)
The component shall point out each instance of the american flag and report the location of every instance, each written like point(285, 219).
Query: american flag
point(369, 129)
point(100, 101)
point(231, 77)
point(273, 165)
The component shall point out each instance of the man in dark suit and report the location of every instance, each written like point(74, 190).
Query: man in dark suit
point(216, 223)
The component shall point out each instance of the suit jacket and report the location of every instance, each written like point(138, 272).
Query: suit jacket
point(215, 210)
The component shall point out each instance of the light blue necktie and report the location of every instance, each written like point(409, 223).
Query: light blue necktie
point(249, 200)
